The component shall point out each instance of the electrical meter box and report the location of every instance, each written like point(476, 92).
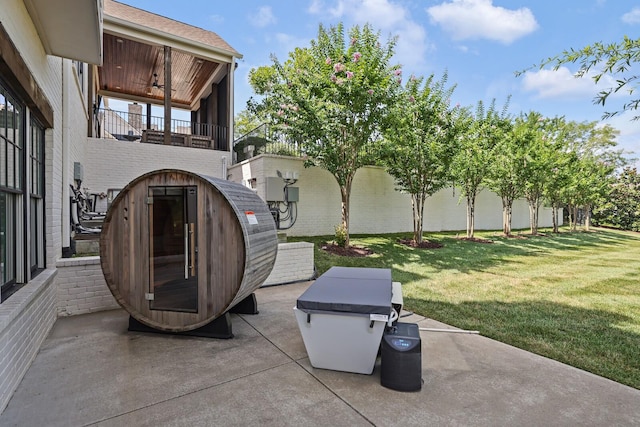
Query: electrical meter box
point(293, 194)
point(274, 191)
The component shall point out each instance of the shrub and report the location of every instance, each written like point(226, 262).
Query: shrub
point(341, 235)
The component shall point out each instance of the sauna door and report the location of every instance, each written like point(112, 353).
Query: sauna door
point(173, 248)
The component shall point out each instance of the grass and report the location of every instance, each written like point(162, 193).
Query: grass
point(573, 297)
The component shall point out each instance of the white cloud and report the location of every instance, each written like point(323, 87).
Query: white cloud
point(315, 7)
point(632, 17)
point(216, 19)
point(387, 16)
point(262, 17)
point(288, 43)
point(562, 83)
point(480, 19)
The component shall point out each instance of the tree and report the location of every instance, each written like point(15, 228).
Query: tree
point(539, 158)
point(244, 123)
point(472, 159)
point(596, 160)
point(588, 186)
point(622, 206)
point(505, 177)
point(559, 166)
point(418, 143)
point(614, 59)
point(332, 98)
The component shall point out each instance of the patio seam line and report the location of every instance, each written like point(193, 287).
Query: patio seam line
point(309, 372)
point(185, 394)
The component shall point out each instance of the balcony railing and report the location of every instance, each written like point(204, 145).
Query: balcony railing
point(263, 140)
point(125, 126)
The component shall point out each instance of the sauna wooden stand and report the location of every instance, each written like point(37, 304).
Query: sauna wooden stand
point(180, 251)
point(220, 327)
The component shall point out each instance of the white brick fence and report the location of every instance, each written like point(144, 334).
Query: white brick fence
point(294, 263)
point(25, 321)
point(82, 288)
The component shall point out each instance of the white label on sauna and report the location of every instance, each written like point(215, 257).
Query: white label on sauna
point(379, 317)
point(251, 217)
point(148, 296)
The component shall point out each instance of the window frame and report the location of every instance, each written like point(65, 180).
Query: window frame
point(23, 247)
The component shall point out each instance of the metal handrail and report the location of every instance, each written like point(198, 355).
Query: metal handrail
point(127, 126)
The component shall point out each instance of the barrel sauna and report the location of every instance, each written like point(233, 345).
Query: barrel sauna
point(179, 249)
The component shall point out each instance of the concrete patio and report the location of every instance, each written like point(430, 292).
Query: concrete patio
point(91, 371)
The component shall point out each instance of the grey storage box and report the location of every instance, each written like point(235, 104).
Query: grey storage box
point(342, 316)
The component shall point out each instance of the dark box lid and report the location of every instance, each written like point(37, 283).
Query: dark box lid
point(350, 290)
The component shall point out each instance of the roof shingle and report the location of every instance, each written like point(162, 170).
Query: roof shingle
point(166, 25)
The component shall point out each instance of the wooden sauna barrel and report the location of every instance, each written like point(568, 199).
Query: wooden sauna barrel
point(179, 249)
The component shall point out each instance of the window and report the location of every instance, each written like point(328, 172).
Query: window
point(36, 197)
point(21, 194)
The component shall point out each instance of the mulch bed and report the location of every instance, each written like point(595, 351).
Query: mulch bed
point(425, 244)
point(351, 251)
point(475, 239)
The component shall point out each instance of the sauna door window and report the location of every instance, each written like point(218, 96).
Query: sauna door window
point(173, 243)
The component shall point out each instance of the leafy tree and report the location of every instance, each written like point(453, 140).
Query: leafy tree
point(596, 160)
point(472, 160)
point(559, 178)
point(614, 59)
point(505, 177)
point(539, 160)
point(559, 165)
point(588, 186)
point(245, 122)
point(331, 97)
point(419, 142)
point(622, 207)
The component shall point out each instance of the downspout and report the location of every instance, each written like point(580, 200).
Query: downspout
point(66, 161)
point(225, 174)
point(232, 70)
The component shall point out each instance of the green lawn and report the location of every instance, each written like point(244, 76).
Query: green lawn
point(573, 297)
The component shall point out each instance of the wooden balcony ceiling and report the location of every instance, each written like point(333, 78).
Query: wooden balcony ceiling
point(129, 67)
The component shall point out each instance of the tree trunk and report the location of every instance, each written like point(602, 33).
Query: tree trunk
point(417, 203)
point(533, 216)
point(573, 217)
point(534, 207)
point(507, 213)
point(554, 212)
point(471, 207)
point(345, 192)
point(587, 217)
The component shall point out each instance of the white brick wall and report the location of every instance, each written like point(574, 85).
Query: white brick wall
point(81, 287)
point(25, 321)
point(110, 163)
point(294, 263)
point(375, 205)
point(27, 317)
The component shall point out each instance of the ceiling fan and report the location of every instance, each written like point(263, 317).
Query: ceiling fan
point(155, 82)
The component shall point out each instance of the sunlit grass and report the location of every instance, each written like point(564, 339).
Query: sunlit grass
point(574, 297)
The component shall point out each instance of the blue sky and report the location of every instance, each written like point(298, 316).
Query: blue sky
point(480, 43)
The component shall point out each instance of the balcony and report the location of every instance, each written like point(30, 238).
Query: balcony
point(184, 72)
point(145, 128)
